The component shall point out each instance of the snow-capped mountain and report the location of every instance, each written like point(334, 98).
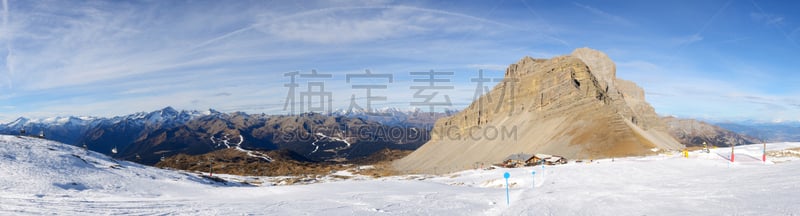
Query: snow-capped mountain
point(70, 120)
point(71, 129)
point(163, 117)
point(102, 134)
point(63, 129)
point(146, 137)
point(167, 115)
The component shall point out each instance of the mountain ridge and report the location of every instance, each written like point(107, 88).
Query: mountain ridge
point(693, 132)
point(146, 137)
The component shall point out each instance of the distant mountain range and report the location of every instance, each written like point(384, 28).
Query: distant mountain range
point(767, 131)
point(146, 137)
point(691, 132)
point(414, 117)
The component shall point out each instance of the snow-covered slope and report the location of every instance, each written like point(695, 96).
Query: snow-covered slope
point(702, 184)
point(45, 168)
point(42, 177)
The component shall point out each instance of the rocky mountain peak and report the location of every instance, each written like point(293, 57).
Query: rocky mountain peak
point(572, 106)
point(19, 122)
point(601, 65)
point(169, 111)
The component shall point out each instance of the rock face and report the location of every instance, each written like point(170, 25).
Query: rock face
point(573, 106)
point(692, 132)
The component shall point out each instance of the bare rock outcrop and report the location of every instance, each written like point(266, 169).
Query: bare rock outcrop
point(573, 106)
point(601, 65)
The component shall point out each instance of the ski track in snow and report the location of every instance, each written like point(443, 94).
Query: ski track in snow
point(254, 154)
point(316, 147)
point(249, 152)
point(42, 206)
point(238, 147)
point(324, 137)
point(40, 177)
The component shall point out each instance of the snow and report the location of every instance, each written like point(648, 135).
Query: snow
point(42, 177)
point(254, 153)
point(225, 140)
point(324, 137)
point(167, 117)
point(59, 120)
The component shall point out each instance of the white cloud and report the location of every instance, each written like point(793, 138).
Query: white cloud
point(327, 31)
point(95, 44)
point(99, 58)
point(6, 35)
point(614, 19)
point(639, 66)
point(690, 91)
point(687, 40)
point(367, 23)
point(765, 18)
point(496, 67)
point(734, 40)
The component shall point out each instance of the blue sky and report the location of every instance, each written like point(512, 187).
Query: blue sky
point(714, 60)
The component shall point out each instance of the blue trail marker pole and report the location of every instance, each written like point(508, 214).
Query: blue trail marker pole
point(543, 168)
point(506, 175)
point(533, 173)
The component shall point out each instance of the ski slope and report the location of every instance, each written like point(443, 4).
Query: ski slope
point(43, 177)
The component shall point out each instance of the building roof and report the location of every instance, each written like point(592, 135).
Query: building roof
point(519, 157)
